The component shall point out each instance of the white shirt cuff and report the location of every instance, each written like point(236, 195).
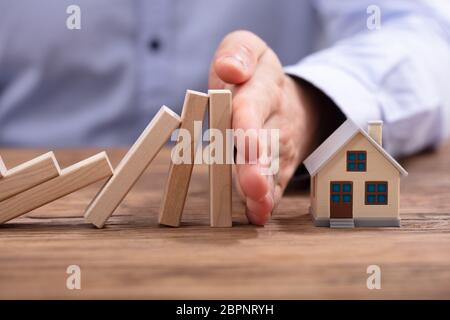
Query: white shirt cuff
point(349, 94)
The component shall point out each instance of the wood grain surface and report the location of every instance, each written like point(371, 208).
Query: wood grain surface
point(71, 179)
point(179, 176)
point(29, 174)
point(220, 172)
point(131, 167)
point(133, 257)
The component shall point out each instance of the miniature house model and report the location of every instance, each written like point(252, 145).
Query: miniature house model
point(354, 181)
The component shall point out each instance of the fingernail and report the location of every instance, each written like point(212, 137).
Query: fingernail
point(239, 59)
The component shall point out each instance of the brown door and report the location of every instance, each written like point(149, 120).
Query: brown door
point(341, 199)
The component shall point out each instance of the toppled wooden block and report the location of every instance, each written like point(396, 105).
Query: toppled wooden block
point(132, 166)
point(70, 180)
point(2, 168)
point(28, 175)
point(195, 105)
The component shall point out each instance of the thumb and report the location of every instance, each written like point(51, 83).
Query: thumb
point(236, 58)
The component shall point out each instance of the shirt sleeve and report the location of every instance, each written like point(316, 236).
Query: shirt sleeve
point(398, 73)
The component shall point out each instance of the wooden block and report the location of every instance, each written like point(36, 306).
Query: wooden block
point(195, 104)
point(220, 174)
point(132, 166)
point(70, 180)
point(28, 175)
point(2, 168)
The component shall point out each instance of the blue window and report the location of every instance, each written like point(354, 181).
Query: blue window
point(335, 198)
point(381, 187)
point(351, 156)
point(377, 193)
point(347, 198)
point(336, 187)
point(347, 187)
point(357, 161)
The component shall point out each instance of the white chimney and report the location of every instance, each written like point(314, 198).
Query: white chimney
point(375, 130)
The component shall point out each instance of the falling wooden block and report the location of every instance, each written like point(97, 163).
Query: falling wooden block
point(28, 175)
point(220, 174)
point(132, 166)
point(70, 180)
point(2, 168)
point(195, 104)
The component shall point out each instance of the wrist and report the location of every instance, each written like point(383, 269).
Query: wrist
point(321, 113)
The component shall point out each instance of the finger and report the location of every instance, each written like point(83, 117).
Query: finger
point(262, 93)
point(256, 100)
point(258, 212)
point(252, 184)
point(237, 184)
point(247, 120)
point(288, 153)
point(214, 82)
point(277, 195)
point(237, 56)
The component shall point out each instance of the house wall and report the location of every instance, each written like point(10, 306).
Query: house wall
point(378, 169)
point(313, 194)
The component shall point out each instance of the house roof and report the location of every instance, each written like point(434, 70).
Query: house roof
point(336, 141)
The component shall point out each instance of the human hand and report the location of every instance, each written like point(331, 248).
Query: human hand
point(264, 97)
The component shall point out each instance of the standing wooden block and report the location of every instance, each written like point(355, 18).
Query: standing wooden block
point(2, 168)
point(132, 166)
point(220, 174)
point(70, 180)
point(195, 104)
point(28, 175)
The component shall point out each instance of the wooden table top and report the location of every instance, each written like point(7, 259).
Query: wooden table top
point(289, 258)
